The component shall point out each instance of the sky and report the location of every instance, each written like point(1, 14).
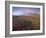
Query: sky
point(26, 11)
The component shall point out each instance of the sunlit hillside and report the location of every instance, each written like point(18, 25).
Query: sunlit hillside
point(34, 18)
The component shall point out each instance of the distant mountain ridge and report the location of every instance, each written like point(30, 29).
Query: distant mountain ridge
point(27, 14)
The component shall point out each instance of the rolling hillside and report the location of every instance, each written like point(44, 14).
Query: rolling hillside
point(34, 18)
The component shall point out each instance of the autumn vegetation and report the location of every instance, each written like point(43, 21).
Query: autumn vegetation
point(26, 22)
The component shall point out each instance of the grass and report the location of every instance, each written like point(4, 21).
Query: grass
point(28, 22)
